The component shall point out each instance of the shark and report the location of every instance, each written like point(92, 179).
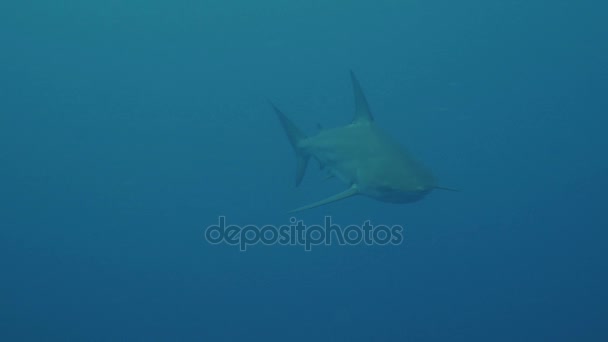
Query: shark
point(362, 155)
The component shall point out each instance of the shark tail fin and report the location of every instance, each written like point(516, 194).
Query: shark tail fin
point(295, 136)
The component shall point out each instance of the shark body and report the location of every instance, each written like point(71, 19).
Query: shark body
point(361, 155)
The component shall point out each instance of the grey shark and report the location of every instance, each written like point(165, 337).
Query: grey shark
point(361, 155)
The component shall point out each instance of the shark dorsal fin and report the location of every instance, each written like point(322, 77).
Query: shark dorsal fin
point(362, 112)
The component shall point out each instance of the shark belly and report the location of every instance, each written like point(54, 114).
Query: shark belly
point(363, 156)
point(341, 151)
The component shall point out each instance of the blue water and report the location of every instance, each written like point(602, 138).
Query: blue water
point(128, 127)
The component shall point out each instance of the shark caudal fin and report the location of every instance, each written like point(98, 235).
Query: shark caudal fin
point(295, 136)
point(362, 112)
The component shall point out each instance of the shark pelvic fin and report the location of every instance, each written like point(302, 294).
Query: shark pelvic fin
point(295, 136)
point(352, 191)
point(362, 112)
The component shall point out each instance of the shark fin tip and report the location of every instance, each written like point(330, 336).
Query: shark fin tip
point(446, 189)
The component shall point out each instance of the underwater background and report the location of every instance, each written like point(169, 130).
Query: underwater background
point(128, 127)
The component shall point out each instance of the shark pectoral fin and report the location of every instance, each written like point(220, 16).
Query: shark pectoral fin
point(447, 189)
point(344, 194)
